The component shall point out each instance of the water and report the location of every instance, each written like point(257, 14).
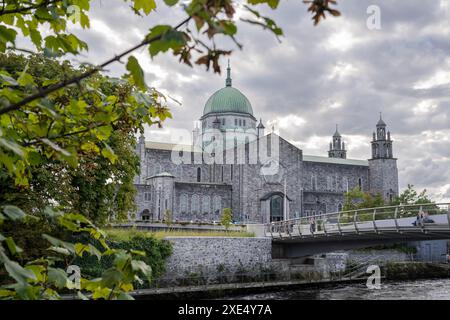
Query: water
point(438, 289)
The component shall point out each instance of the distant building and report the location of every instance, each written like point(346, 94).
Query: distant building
point(261, 177)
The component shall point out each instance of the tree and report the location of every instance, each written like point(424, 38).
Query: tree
point(168, 217)
point(357, 199)
point(56, 122)
point(411, 196)
point(95, 187)
point(227, 218)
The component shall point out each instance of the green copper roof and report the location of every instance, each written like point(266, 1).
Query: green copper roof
point(228, 99)
point(163, 175)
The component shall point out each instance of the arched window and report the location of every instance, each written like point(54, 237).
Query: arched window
point(195, 204)
point(223, 121)
point(345, 183)
point(183, 203)
point(360, 184)
point(339, 207)
point(235, 122)
point(217, 205)
point(206, 205)
point(244, 122)
point(221, 172)
point(330, 183)
point(231, 172)
point(313, 182)
point(199, 174)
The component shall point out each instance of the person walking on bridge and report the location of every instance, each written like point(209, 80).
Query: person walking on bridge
point(312, 225)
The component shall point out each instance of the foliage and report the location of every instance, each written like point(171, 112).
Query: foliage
point(168, 217)
point(227, 218)
point(357, 199)
point(156, 252)
point(62, 129)
point(411, 196)
point(96, 186)
point(123, 235)
point(43, 278)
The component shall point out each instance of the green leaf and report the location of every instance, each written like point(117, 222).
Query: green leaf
point(59, 243)
point(108, 153)
point(55, 147)
point(50, 212)
point(101, 293)
point(6, 293)
point(171, 3)
point(7, 35)
point(9, 80)
point(12, 146)
point(146, 5)
point(272, 3)
point(124, 296)
point(13, 212)
point(12, 247)
point(82, 296)
point(111, 277)
point(141, 266)
point(170, 39)
point(18, 273)
point(57, 277)
point(136, 72)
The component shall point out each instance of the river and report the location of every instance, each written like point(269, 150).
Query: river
point(436, 289)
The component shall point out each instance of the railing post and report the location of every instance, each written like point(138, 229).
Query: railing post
point(287, 228)
point(339, 222)
point(395, 220)
point(354, 221)
point(300, 227)
point(448, 215)
point(373, 220)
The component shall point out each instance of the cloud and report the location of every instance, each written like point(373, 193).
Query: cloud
point(338, 72)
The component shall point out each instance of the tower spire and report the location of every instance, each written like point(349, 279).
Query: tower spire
point(228, 80)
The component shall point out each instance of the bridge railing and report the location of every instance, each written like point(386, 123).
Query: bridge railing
point(423, 217)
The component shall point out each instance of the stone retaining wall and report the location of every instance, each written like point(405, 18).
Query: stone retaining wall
point(215, 256)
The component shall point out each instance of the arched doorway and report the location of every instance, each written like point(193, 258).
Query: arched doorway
point(276, 208)
point(272, 206)
point(145, 215)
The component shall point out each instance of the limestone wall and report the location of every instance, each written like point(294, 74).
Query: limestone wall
point(216, 256)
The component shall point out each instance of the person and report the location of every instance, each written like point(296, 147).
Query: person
point(312, 226)
point(417, 222)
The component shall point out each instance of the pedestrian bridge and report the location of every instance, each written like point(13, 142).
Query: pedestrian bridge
point(359, 228)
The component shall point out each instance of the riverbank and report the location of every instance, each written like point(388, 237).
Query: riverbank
point(415, 270)
point(393, 271)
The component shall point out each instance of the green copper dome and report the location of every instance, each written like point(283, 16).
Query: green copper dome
point(228, 99)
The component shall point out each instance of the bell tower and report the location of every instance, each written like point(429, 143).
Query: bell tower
point(337, 146)
point(383, 170)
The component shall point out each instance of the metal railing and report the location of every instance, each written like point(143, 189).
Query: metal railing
point(425, 218)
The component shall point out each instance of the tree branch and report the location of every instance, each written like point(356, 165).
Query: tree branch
point(65, 83)
point(24, 9)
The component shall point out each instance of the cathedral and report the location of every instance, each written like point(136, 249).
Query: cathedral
point(233, 163)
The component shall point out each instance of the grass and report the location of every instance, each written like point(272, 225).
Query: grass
point(126, 234)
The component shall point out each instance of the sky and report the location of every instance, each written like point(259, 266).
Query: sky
point(339, 72)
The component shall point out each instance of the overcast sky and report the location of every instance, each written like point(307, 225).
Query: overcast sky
point(339, 72)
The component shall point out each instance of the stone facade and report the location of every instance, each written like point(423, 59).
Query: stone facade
point(262, 178)
point(217, 255)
